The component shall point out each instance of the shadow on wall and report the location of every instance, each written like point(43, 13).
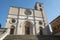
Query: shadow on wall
point(48, 37)
point(45, 31)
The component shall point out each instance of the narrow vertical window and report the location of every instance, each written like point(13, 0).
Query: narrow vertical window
point(40, 5)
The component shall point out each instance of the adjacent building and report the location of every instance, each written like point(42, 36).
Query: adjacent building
point(55, 24)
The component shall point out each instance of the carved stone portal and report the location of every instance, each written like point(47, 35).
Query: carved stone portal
point(28, 28)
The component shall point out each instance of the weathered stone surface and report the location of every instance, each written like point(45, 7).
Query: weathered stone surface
point(32, 37)
point(21, 37)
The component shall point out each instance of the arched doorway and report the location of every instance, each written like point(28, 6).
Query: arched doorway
point(28, 28)
point(12, 29)
point(41, 31)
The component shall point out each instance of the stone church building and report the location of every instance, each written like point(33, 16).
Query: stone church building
point(25, 21)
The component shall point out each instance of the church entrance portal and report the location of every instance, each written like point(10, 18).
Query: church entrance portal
point(28, 28)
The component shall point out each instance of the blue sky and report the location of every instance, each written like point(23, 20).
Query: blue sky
point(52, 8)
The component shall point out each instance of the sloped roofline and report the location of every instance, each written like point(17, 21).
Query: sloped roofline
point(55, 19)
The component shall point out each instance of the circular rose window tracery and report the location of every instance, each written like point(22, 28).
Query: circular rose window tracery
point(27, 12)
point(12, 21)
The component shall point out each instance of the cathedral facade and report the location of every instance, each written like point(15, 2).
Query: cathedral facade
point(24, 21)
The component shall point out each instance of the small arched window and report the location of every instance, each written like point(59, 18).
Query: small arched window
point(40, 5)
point(41, 9)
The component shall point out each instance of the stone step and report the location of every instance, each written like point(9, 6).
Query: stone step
point(21, 37)
point(32, 37)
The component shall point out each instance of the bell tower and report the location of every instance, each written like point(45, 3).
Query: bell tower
point(39, 6)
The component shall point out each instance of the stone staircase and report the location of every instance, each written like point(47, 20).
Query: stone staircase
point(21, 37)
point(32, 37)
